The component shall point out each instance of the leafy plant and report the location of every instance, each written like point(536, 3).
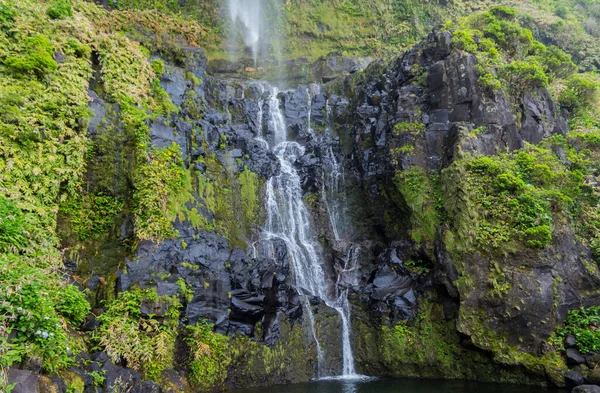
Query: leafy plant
point(7, 17)
point(523, 76)
point(60, 9)
point(98, 378)
point(144, 342)
point(580, 92)
point(72, 304)
point(209, 358)
point(584, 325)
point(36, 57)
point(12, 230)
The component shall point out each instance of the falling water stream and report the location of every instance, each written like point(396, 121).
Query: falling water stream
point(247, 15)
point(288, 218)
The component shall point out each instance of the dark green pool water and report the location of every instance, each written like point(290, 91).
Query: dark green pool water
point(398, 386)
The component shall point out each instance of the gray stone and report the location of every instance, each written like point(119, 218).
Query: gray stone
point(573, 378)
point(25, 381)
point(586, 389)
point(574, 357)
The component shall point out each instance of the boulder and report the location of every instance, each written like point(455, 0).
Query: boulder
point(586, 389)
point(573, 378)
point(25, 381)
point(594, 375)
point(574, 357)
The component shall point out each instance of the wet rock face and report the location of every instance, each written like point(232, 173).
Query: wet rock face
point(229, 288)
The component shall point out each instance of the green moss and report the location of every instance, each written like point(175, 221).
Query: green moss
point(250, 195)
point(436, 341)
point(417, 190)
point(548, 365)
point(36, 57)
point(414, 128)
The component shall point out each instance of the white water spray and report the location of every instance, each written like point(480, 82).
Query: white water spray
point(248, 14)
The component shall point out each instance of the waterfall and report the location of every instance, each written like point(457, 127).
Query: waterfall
point(249, 14)
point(330, 193)
point(288, 219)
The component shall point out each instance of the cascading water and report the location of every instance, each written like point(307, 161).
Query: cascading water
point(289, 219)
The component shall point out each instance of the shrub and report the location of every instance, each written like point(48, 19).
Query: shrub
point(557, 63)
point(72, 304)
point(60, 9)
point(515, 40)
point(159, 67)
point(37, 57)
point(584, 325)
point(145, 342)
point(509, 182)
point(538, 237)
point(465, 40)
point(580, 92)
point(503, 12)
point(7, 17)
point(523, 76)
point(27, 304)
point(489, 83)
point(209, 360)
point(12, 232)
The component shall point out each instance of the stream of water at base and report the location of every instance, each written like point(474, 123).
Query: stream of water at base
point(367, 385)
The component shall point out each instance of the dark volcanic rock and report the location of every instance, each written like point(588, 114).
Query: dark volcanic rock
point(574, 357)
point(25, 381)
point(573, 379)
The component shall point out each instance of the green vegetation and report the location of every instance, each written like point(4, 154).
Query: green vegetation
point(508, 55)
point(414, 128)
point(12, 231)
point(230, 200)
point(36, 56)
point(418, 191)
point(436, 340)
point(146, 342)
point(60, 9)
point(92, 215)
point(581, 92)
point(514, 197)
point(583, 324)
point(209, 356)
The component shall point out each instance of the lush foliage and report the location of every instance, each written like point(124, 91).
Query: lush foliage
point(32, 306)
point(142, 341)
point(209, 357)
point(583, 324)
point(36, 56)
point(508, 55)
point(43, 113)
point(511, 200)
point(60, 9)
point(580, 92)
point(12, 231)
